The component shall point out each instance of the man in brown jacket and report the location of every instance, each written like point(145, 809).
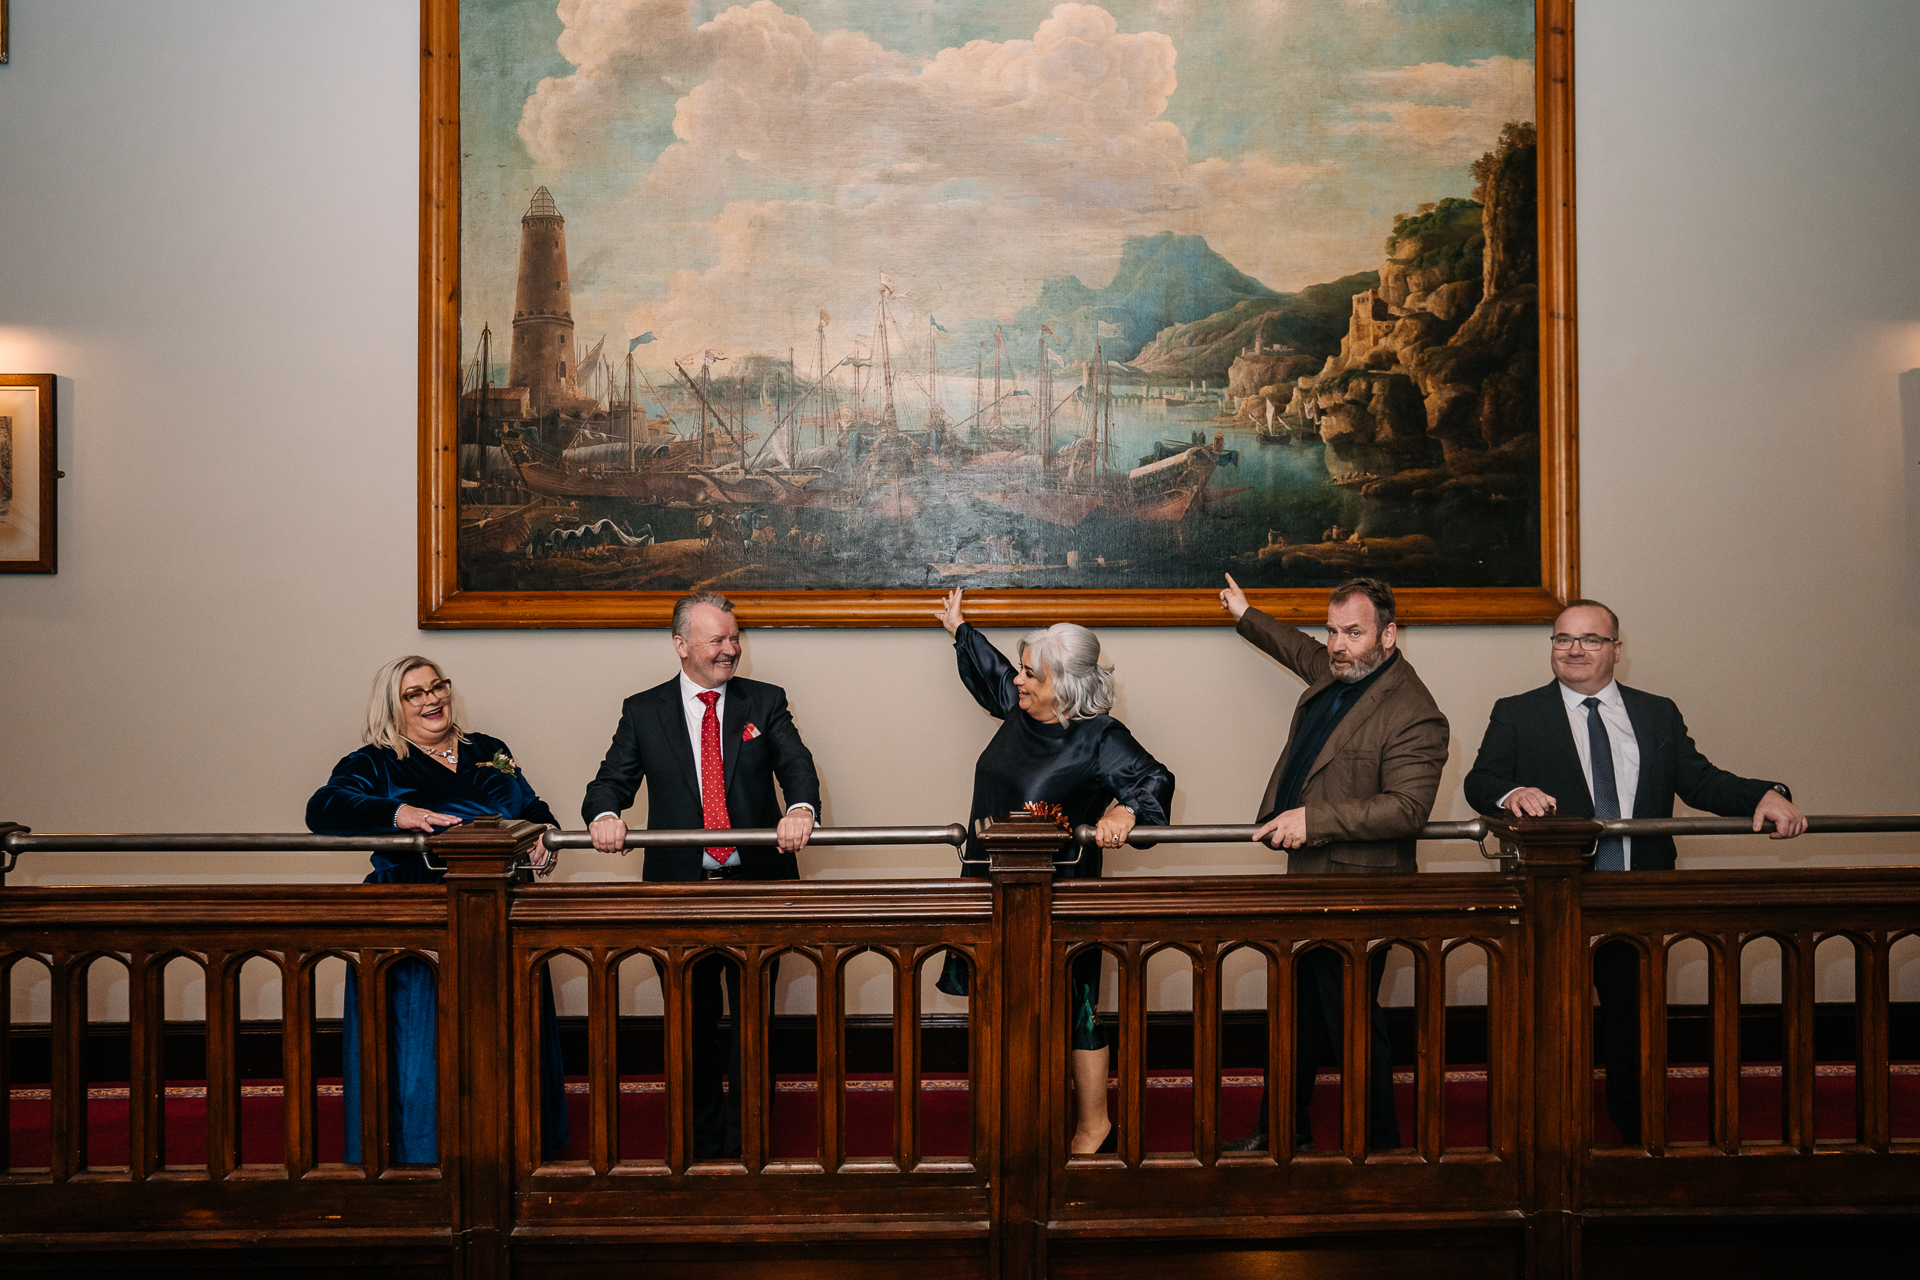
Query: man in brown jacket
point(1353, 787)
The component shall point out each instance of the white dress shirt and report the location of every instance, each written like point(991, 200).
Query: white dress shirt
point(1626, 748)
point(696, 713)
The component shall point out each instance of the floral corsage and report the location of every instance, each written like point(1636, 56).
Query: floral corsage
point(501, 761)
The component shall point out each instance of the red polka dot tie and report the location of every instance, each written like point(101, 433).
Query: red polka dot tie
point(713, 778)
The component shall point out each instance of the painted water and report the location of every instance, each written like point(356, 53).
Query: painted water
point(933, 528)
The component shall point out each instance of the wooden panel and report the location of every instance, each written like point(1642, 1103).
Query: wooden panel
point(1019, 1206)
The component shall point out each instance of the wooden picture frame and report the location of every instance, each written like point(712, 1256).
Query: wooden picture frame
point(444, 604)
point(28, 470)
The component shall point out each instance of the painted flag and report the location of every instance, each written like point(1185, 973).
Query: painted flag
point(1051, 334)
point(825, 319)
point(886, 284)
point(645, 337)
point(1003, 317)
point(1057, 357)
point(711, 357)
point(1109, 330)
point(935, 323)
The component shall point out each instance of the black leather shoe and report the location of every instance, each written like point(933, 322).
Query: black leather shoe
point(1109, 1144)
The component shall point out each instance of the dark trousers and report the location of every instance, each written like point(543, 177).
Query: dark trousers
point(716, 1112)
point(1319, 1035)
point(1616, 977)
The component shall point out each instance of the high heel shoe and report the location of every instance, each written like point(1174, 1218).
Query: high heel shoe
point(1110, 1144)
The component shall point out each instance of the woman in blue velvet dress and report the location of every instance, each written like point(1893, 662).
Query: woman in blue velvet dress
point(1057, 744)
point(421, 771)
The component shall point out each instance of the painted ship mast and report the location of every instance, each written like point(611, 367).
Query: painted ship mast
point(821, 422)
point(889, 419)
point(998, 343)
point(933, 398)
point(1046, 407)
point(630, 458)
point(979, 377)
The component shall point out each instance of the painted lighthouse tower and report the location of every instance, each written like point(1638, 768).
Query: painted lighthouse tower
point(543, 359)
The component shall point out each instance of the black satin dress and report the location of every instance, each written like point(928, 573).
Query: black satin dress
point(1082, 766)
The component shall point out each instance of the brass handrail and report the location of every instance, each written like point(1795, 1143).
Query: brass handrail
point(1474, 829)
point(953, 834)
point(20, 840)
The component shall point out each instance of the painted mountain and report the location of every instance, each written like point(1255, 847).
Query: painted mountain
point(1162, 280)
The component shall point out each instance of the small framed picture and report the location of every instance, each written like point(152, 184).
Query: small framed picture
point(27, 473)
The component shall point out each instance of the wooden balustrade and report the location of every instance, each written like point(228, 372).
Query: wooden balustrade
point(1539, 1195)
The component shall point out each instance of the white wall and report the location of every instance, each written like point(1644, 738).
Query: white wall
point(208, 215)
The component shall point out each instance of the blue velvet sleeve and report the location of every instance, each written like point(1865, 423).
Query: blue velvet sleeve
point(496, 791)
point(360, 798)
point(986, 672)
point(368, 786)
point(1136, 779)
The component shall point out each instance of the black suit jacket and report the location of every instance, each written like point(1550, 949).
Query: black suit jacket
point(1529, 743)
point(651, 743)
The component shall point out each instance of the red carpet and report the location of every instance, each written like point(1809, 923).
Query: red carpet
point(944, 1108)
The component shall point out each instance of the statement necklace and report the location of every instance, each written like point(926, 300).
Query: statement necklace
point(451, 755)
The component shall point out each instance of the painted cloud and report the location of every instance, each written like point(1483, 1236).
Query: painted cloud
point(801, 162)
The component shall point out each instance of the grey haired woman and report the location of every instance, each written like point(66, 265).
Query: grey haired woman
point(1057, 745)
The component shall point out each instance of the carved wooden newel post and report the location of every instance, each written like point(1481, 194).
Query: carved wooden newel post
point(476, 1036)
point(1022, 850)
point(1557, 1060)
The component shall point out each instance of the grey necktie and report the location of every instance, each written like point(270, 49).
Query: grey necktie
point(1612, 852)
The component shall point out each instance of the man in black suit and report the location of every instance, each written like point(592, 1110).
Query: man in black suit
point(710, 748)
point(1586, 746)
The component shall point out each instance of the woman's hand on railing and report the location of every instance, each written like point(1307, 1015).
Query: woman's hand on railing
point(1115, 825)
point(542, 859)
point(412, 818)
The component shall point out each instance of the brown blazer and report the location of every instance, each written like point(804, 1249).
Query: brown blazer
point(1373, 785)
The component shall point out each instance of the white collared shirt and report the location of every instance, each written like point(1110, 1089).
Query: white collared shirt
point(696, 713)
point(696, 716)
point(1626, 748)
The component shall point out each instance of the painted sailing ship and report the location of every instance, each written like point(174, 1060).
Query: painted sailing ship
point(1081, 480)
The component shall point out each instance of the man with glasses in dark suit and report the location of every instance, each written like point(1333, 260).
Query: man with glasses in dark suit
point(1587, 746)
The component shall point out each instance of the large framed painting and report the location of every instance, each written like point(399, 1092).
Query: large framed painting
point(835, 305)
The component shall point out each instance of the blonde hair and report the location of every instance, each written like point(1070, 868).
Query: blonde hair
point(384, 706)
point(1070, 654)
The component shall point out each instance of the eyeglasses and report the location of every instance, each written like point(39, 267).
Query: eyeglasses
point(1590, 643)
point(414, 697)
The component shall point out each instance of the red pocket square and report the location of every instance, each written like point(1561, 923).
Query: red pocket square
point(749, 733)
